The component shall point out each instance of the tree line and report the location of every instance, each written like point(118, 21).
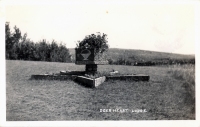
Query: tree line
point(20, 47)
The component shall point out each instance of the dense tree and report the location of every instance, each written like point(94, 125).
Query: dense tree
point(22, 48)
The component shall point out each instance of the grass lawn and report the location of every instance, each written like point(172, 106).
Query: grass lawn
point(167, 96)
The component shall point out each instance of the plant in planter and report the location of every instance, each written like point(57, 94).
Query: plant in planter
point(97, 43)
point(91, 52)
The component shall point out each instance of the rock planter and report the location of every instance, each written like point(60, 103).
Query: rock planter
point(87, 56)
point(90, 82)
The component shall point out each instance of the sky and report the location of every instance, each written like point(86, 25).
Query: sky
point(165, 27)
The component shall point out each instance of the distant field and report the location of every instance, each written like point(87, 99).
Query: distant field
point(169, 95)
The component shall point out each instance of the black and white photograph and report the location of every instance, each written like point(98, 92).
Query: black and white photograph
point(101, 60)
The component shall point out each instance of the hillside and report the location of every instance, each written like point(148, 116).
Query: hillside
point(132, 56)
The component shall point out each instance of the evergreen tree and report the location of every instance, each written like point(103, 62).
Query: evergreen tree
point(12, 40)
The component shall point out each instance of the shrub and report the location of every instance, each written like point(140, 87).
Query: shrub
point(98, 42)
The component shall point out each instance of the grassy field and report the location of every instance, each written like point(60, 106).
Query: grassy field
point(169, 95)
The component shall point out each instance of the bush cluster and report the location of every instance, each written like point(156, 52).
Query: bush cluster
point(98, 42)
point(22, 48)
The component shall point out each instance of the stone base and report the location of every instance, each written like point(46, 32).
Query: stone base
point(91, 62)
point(91, 68)
point(86, 81)
point(139, 77)
point(72, 72)
point(53, 77)
point(89, 82)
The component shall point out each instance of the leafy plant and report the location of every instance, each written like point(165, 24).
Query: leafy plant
point(98, 42)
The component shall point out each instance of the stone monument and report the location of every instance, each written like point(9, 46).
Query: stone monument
point(91, 53)
point(88, 57)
